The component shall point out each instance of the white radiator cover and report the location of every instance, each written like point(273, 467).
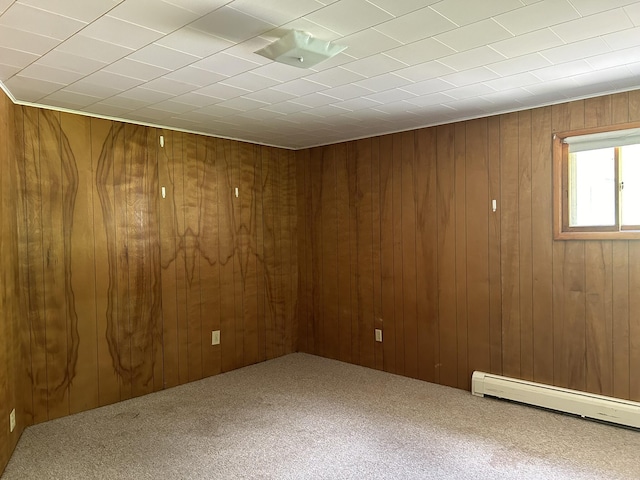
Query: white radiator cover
point(598, 407)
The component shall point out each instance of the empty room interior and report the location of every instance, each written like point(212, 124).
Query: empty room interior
point(320, 239)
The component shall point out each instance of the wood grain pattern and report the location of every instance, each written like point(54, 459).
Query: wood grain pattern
point(122, 287)
point(486, 290)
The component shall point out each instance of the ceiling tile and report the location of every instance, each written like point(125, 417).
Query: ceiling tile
point(592, 26)
point(194, 42)
point(555, 72)
point(326, 111)
point(95, 49)
point(7, 71)
point(119, 32)
point(536, 16)
point(634, 13)
point(31, 89)
point(526, 63)
point(86, 11)
point(225, 64)
point(299, 87)
point(50, 74)
point(231, 25)
point(468, 77)
point(269, 95)
point(513, 81)
point(573, 51)
point(167, 85)
point(106, 110)
point(126, 103)
point(195, 76)
point(527, 43)
point(280, 72)
point(201, 7)
point(474, 35)
point(164, 57)
point(589, 7)
point(250, 81)
point(30, 19)
point(397, 9)
point(375, 65)
point(74, 63)
point(621, 57)
point(25, 41)
point(472, 58)
point(383, 82)
point(425, 71)
point(428, 86)
point(174, 107)
point(356, 104)
point(390, 96)
point(154, 14)
point(349, 16)
point(242, 104)
point(16, 58)
point(335, 77)
point(135, 69)
point(416, 26)
point(346, 92)
point(66, 99)
point(277, 12)
point(436, 98)
point(470, 91)
point(112, 80)
point(313, 100)
point(221, 91)
point(285, 107)
point(420, 51)
point(464, 12)
point(145, 95)
point(368, 42)
point(318, 31)
point(624, 39)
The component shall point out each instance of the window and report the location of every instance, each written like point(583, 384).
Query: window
point(597, 183)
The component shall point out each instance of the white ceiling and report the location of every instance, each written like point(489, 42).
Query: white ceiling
point(189, 64)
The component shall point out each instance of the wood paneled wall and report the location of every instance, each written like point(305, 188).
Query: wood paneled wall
point(122, 287)
point(11, 355)
point(397, 232)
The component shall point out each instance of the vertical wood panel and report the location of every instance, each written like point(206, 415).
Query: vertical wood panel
point(461, 254)
point(495, 260)
point(634, 319)
point(510, 245)
point(375, 231)
point(386, 253)
point(344, 251)
point(226, 256)
point(526, 245)
point(76, 145)
point(365, 253)
point(302, 161)
point(398, 277)
point(352, 178)
point(446, 221)
point(477, 208)
point(331, 326)
point(426, 253)
point(409, 281)
point(542, 246)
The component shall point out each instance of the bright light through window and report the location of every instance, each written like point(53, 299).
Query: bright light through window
point(630, 177)
point(592, 188)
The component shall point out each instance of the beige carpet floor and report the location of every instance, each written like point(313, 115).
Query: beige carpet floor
point(305, 417)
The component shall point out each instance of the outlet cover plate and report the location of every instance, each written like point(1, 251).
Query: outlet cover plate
point(215, 337)
point(12, 420)
point(378, 334)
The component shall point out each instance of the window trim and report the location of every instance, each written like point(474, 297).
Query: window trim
point(561, 229)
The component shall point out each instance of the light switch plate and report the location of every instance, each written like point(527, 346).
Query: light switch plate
point(215, 337)
point(12, 420)
point(378, 334)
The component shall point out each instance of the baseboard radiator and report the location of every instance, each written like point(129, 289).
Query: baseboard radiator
point(588, 405)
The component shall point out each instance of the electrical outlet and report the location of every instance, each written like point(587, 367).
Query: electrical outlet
point(215, 337)
point(378, 334)
point(12, 420)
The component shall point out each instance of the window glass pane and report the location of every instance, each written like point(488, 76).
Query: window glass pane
point(592, 188)
point(630, 172)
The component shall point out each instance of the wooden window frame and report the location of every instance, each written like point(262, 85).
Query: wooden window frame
point(561, 228)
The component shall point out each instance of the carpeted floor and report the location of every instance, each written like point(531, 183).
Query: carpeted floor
point(305, 417)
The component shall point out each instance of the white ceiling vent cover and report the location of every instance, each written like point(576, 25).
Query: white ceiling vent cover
point(589, 405)
point(300, 49)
